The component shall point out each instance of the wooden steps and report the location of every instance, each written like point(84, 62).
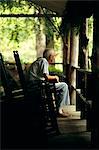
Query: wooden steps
point(72, 110)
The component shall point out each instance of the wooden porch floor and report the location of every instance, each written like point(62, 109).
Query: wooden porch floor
point(73, 134)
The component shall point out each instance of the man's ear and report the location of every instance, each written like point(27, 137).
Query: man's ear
point(50, 59)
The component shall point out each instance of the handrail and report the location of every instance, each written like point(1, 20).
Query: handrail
point(81, 96)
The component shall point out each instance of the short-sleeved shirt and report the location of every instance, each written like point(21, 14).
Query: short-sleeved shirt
point(37, 69)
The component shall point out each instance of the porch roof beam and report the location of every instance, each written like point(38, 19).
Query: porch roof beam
point(28, 15)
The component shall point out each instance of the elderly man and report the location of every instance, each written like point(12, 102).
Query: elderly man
point(39, 71)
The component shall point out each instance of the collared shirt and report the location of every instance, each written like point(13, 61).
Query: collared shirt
point(37, 69)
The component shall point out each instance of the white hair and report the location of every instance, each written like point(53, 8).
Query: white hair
point(48, 52)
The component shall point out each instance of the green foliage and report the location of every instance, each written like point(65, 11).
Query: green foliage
point(90, 35)
point(16, 33)
point(52, 69)
point(20, 33)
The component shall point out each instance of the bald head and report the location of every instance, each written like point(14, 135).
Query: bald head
point(49, 54)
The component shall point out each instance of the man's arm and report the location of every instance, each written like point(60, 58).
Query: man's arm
point(51, 78)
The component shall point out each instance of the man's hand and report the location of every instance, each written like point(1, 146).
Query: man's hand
point(57, 78)
point(51, 78)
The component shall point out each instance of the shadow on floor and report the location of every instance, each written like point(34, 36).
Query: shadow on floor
point(70, 140)
point(73, 134)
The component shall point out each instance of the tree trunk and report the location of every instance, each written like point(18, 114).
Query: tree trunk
point(50, 41)
point(40, 39)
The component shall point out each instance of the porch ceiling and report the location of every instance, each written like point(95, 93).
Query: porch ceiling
point(57, 6)
point(73, 8)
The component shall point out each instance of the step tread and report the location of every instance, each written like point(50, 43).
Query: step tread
point(70, 108)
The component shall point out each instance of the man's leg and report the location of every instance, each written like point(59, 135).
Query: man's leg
point(64, 99)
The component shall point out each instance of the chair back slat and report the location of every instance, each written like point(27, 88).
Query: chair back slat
point(4, 79)
point(20, 71)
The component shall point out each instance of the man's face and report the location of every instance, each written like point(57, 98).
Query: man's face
point(51, 59)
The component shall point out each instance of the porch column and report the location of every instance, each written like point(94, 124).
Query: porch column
point(95, 71)
point(74, 49)
point(66, 55)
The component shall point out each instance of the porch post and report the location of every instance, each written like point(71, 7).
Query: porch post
point(74, 49)
point(95, 71)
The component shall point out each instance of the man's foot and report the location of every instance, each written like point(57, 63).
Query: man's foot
point(63, 114)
